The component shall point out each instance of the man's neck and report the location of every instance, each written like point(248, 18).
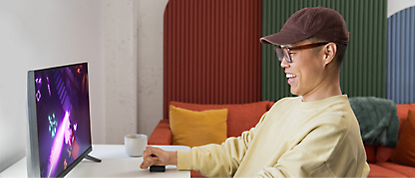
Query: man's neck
point(328, 88)
point(316, 97)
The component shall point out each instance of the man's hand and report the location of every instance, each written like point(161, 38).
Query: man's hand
point(156, 156)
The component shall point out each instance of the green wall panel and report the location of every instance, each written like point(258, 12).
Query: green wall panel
point(363, 70)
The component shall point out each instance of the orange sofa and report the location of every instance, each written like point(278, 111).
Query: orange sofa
point(243, 117)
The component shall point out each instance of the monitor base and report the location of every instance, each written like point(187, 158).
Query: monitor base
point(92, 159)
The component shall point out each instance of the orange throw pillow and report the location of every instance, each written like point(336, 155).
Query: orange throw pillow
point(196, 128)
point(405, 149)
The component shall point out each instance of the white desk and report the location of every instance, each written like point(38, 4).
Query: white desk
point(115, 163)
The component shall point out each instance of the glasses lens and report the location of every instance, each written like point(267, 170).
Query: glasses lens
point(279, 52)
point(286, 55)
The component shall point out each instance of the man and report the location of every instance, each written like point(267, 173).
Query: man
point(313, 135)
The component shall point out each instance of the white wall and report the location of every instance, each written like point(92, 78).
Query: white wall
point(133, 54)
point(395, 6)
point(120, 58)
point(38, 34)
point(150, 64)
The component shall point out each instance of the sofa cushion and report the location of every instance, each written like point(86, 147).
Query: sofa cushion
point(383, 154)
point(241, 117)
point(403, 114)
point(405, 149)
point(379, 171)
point(405, 170)
point(370, 153)
point(161, 134)
point(196, 128)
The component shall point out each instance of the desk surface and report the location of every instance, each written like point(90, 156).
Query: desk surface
point(115, 163)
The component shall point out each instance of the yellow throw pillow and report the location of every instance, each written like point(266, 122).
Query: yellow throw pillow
point(194, 128)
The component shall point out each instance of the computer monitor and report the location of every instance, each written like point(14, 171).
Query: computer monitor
point(59, 127)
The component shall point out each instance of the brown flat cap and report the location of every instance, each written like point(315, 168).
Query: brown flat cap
point(320, 22)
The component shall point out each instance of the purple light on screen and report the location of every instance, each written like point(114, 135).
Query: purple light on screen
point(38, 95)
point(39, 80)
point(47, 78)
point(50, 94)
point(58, 143)
point(68, 136)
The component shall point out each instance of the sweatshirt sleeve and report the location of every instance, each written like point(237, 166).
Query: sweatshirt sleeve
point(216, 160)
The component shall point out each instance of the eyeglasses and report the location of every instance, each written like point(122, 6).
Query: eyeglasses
point(284, 52)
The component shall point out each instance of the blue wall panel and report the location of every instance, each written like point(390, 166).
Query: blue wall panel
point(400, 83)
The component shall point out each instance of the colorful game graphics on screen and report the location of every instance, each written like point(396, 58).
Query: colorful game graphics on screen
point(63, 117)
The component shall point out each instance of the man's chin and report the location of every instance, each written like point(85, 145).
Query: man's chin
point(293, 91)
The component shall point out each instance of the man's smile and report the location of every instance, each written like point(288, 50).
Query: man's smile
point(291, 77)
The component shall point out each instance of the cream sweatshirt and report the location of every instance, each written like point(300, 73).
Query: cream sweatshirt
point(293, 139)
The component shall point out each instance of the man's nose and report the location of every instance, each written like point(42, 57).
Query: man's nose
point(284, 63)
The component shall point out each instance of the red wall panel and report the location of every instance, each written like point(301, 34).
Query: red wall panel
point(212, 53)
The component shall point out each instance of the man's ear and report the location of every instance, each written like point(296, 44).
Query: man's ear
point(330, 51)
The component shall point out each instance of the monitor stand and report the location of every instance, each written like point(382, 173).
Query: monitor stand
point(92, 159)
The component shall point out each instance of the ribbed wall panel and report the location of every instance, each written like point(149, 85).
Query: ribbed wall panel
point(212, 53)
point(364, 67)
point(401, 57)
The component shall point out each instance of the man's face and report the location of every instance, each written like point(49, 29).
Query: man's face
point(306, 72)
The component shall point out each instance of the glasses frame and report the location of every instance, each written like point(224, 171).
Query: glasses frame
point(283, 52)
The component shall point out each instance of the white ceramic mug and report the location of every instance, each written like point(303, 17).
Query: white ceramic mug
point(135, 144)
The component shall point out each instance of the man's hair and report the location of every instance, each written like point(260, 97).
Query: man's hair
point(341, 49)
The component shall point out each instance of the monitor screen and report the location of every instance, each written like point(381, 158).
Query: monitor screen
point(58, 119)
